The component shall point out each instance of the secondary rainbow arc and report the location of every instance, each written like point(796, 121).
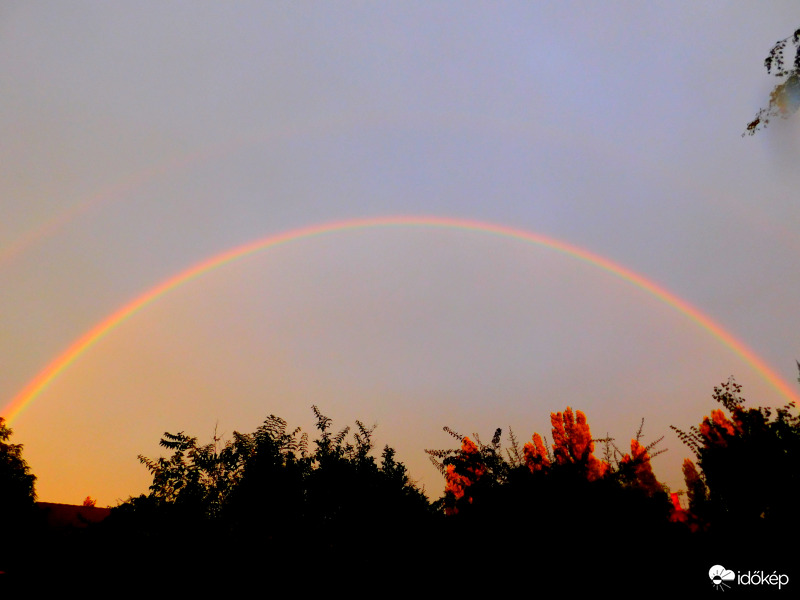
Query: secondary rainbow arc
point(36, 386)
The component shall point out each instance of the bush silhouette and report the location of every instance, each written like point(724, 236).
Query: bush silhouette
point(748, 458)
point(267, 496)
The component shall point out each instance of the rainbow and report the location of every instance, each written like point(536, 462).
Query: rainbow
point(104, 327)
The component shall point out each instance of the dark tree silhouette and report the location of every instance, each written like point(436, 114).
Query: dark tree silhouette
point(268, 498)
point(549, 509)
point(784, 99)
point(748, 459)
point(17, 491)
point(17, 501)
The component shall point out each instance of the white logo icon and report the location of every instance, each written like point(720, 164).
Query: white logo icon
point(719, 575)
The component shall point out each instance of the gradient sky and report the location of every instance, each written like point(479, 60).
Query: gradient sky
point(141, 139)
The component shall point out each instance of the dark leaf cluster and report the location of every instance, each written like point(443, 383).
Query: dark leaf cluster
point(784, 100)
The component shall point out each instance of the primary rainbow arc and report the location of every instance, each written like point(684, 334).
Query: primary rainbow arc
point(36, 386)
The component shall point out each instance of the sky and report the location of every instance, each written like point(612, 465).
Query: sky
point(142, 140)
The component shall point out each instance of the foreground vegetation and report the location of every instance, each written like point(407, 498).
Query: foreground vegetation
point(271, 499)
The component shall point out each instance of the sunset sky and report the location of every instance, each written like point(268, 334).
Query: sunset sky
point(452, 213)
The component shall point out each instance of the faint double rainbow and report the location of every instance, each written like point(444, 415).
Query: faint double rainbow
point(36, 386)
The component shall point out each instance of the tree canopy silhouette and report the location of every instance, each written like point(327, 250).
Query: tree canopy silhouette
point(547, 508)
point(748, 457)
point(17, 500)
point(477, 470)
point(17, 483)
point(271, 489)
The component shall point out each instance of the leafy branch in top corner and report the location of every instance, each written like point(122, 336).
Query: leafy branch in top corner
point(784, 100)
